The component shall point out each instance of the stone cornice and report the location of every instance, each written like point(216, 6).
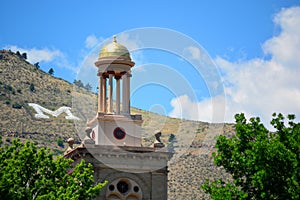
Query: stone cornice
point(120, 152)
point(125, 118)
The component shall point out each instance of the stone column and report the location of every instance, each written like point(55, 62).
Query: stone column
point(128, 93)
point(117, 95)
point(100, 93)
point(103, 79)
point(110, 94)
point(124, 96)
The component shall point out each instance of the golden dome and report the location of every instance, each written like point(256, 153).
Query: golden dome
point(114, 49)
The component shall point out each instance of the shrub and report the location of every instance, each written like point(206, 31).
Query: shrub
point(8, 87)
point(18, 53)
point(36, 65)
point(31, 87)
point(17, 106)
point(51, 71)
point(24, 56)
point(60, 142)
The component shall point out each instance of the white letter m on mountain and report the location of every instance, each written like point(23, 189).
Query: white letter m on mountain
point(41, 110)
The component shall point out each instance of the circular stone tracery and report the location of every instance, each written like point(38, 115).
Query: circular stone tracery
point(123, 188)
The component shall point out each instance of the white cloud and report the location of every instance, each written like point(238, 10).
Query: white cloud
point(208, 110)
point(46, 55)
point(37, 55)
point(284, 48)
point(258, 87)
point(92, 41)
point(194, 52)
point(131, 43)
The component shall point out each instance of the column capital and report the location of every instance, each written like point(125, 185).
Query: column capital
point(122, 73)
point(102, 74)
point(117, 77)
point(111, 72)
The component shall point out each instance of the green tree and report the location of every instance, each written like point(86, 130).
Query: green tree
point(88, 87)
point(263, 164)
point(30, 173)
point(17, 105)
point(36, 65)
point(31, 87)
point(24, 56)
point(171, 140)
point(78, 83)
point(60, 142)
point(18, 54)
point(51, 71)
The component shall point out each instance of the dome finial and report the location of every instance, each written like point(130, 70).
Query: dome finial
point(114, 49)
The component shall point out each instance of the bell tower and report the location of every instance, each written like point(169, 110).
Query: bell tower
point(113, 142)
point(116, 125)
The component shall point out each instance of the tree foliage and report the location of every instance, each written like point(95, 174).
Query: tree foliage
point(88, 87)
point(30, 173)
point(24, 56)
point(36, 65)
point(60, 142)
point(171, 140)
point(263, 164)
point(31, 87)
point(79, 83)
point(18, 54)
point(51, 71)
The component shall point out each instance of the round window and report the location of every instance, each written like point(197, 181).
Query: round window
point(111, 187)
point(136, 189)
point(122, 187)
point(119, 133)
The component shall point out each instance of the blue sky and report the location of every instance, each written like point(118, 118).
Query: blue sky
point(245, 39)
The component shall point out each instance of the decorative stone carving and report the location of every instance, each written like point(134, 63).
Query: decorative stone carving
point(70, 147)
point(158, 143)
point(87, 140)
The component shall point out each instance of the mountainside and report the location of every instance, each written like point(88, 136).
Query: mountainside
point(22, 83)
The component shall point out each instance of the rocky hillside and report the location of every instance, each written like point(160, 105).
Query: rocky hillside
point(22, 83)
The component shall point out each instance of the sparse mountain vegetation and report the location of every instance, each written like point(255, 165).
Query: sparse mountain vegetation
point(22, 56)
point(31, 87)
point(80, 84)
point(51, 71)
point(36, 65)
